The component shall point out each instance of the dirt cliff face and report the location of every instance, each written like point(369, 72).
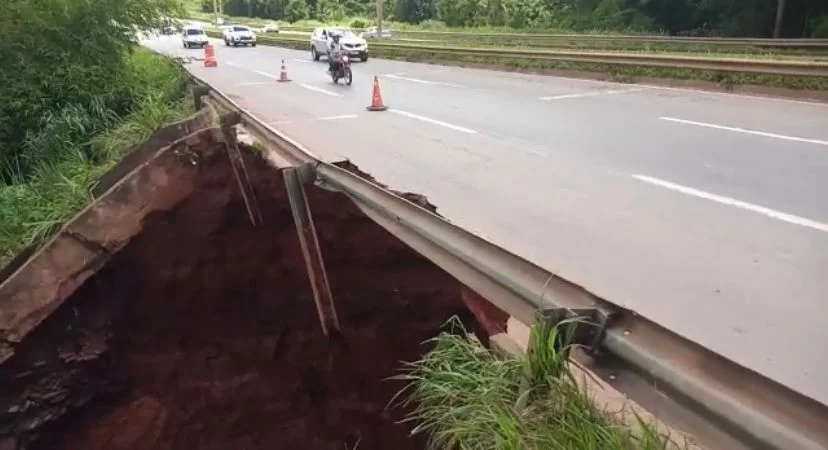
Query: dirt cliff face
point(202, 333)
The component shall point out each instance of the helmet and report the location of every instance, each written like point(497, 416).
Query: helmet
point(335, 35)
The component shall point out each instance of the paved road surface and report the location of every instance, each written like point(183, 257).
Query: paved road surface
point(704, 212)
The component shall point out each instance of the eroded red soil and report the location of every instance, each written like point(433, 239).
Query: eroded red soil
point(205, 332)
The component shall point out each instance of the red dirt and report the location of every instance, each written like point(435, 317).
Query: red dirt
point(205, 330)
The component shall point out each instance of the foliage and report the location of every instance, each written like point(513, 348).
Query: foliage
point(675, 17)
point(464, 396)
point(64, 63)
point(74, 156)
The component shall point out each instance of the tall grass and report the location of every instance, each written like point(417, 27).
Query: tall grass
point(467, 397)
point(78, 145)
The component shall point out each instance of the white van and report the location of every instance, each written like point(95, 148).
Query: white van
point(193, 36)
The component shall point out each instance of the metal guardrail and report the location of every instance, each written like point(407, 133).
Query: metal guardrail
point(755, 409)
point(733, 65)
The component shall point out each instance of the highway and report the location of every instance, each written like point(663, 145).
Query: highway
point(705, 212)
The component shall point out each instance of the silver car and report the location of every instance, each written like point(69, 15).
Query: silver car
point(353, 44)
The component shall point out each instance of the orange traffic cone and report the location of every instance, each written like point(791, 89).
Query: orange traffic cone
point(376, 98)
point(283, 74)
point(210, 56)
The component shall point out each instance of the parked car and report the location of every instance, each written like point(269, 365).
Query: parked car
point(270, 28)
point(236, 35)
point(373, 33)
point(355, 45)
point(193, 36)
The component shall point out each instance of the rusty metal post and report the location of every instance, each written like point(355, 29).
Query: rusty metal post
point(242, 178)
point(311, 252)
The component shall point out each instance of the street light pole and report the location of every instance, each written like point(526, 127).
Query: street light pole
point(215, 13)
point(379, 19)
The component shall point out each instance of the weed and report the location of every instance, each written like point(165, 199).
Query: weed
point(464, 396)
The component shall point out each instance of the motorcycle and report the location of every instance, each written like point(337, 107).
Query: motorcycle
point(344, 71)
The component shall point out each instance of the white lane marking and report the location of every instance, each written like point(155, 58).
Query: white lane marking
point(231, 64)
point(433, 121)
point(253, 83)
point(265, 74)
point(343, 116)
point(304, 61)
point(320, 90)
point(746, 131)
point(589, 94)
point(417, 80)
point(778, 215)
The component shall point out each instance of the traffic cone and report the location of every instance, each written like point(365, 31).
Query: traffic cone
point(210, 56)
point(376, 98)
point(283, 77)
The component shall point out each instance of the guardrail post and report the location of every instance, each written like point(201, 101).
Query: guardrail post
point(199, 91)
point(240, 172)
point(310, 251)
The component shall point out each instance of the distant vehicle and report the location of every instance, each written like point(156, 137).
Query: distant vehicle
point(270, 28)
point(353, 44)
point(373, 33)
point(236, 35)
point(193, 36)
point(170, 26)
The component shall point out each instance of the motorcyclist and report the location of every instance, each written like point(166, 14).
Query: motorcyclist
point(335, 46)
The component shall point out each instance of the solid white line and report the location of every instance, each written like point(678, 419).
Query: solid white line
point(778, 215)
point(304, 61)
point(589, 94)
point(231, 64)
point(321, 91)
point(265, 74)
point(253, 83)
point(746, 131)
point(433, 121)
point(343, 116)
point(417, 80)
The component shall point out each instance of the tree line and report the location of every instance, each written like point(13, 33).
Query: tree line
point(749, 18)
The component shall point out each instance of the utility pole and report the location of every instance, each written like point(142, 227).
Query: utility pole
point(215, 13)
point(379, 19)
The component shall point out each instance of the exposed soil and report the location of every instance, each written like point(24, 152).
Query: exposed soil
point(202, 333)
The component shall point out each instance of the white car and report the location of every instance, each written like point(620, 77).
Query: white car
point(236, 35)
point(270, 28)
point(353, 44)
point(193, 36)
point(372, 33)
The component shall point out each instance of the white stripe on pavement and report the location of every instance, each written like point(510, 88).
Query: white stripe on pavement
point(433, 121)
point(417, 80)
point(746, 131)
point(265, 74)
point(304, 61)
point(778, 215)
point(589, 94)
point(231, 64)
point(320, 90)
point(253, 83)
point(343, 116)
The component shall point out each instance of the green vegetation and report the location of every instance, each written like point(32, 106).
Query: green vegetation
point(748, 18)
point(467, 397)
point(77, 93)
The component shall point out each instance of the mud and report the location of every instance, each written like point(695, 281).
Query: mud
point(202, 333)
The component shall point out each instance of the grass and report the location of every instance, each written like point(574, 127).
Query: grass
point(464, 396)
point(33, 207)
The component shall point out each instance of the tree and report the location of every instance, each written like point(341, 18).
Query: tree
point(780, 15)
point(65, 55)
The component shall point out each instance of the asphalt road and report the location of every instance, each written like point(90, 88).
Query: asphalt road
point(703, 212)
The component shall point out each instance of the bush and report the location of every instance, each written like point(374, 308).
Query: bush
point(360, 23)
point(63, 72)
